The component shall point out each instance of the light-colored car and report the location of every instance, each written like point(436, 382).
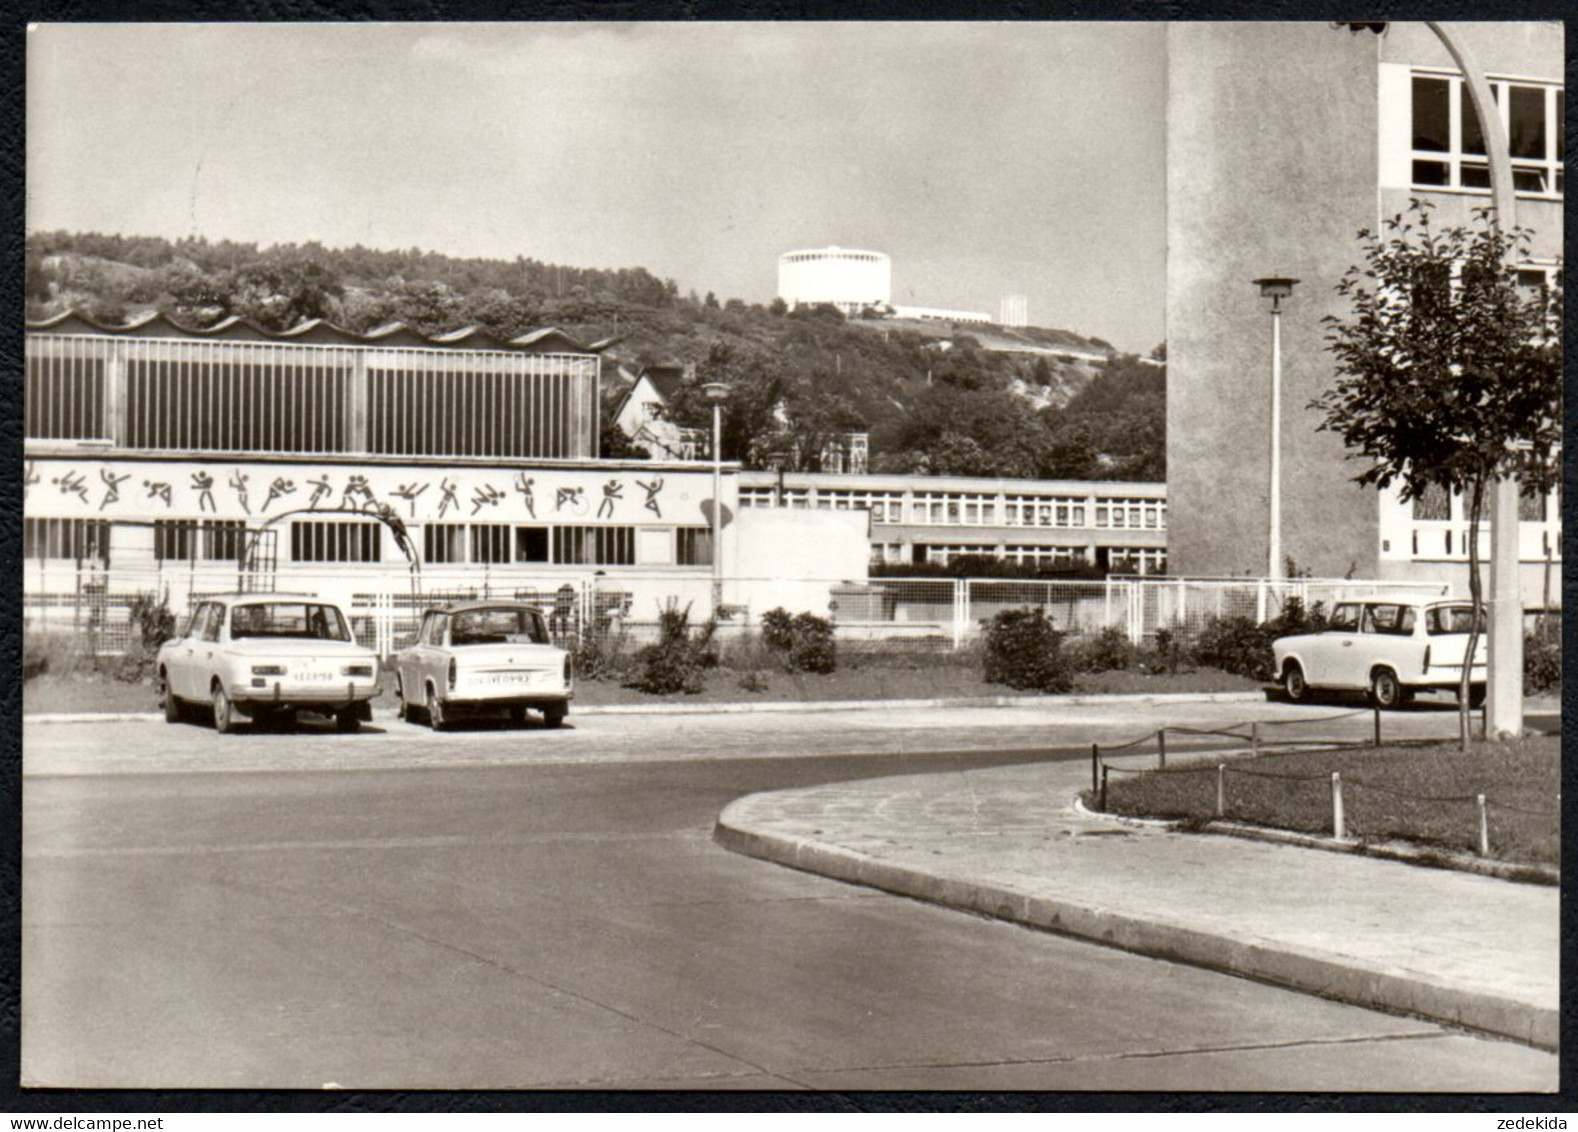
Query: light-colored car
point(475, 655)
point(264, 656)
point(1390, 647)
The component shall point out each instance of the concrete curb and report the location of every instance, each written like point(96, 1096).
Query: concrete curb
point(1325, 974)
point(780, 706)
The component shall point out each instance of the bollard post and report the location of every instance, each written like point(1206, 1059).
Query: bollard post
point(1377, 712)
point(1095, 762)
point(1484, 828)
point(1338, 825)
point(1161, 748)
point(1254, 740)
point(1221, 790)
point(1103, 806)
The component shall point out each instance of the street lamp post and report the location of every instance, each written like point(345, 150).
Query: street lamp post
point(717, 392)
point(1276, 288)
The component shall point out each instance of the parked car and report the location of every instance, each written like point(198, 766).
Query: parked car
point(267, 656)
point(476, 655)
point(1390, 647)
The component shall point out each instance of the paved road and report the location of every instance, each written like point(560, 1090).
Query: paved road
point(571, 924)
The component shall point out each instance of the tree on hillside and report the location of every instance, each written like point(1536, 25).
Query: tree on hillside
point(959, 431)
point(1447, 377)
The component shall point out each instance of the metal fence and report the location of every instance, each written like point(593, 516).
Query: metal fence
point(93, 603)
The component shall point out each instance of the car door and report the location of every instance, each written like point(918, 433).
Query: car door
point(410, 661)
point(181, 656)
point(1387, 632)
point(205, 651)
point(1339, 655)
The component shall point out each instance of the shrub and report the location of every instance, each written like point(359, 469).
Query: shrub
point(678, 659)
point(1542, 656)
point(152, 624)
point(1167, 652)
point(58, 653)
point(802, 643)
point(754, 681)
point(1022, 651)
point(1106, 650)
point(602, 656)
point(1240, 645)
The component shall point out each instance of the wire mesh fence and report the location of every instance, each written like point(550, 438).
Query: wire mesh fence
point(92, 603)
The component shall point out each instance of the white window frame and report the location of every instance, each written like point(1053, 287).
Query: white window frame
point(1453, 156)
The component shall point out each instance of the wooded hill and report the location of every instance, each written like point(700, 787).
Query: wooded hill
point(1044, 403)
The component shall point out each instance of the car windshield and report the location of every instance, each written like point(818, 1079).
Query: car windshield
point(497, 627)
point(1441, 619)
point(288, 619)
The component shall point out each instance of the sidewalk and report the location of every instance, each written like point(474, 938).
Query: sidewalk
point(1007, 842)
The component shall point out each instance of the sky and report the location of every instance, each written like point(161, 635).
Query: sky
point(986, 159)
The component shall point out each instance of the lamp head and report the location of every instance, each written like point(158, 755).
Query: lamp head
point(1276, 288)
point(715, 391)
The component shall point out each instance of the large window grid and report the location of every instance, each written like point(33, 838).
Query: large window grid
point(182, 395)
point(490, 543)
point(594, 546)
point(443, 543)
point(885, 506)
point(942, 555)
point(1448, 146)
point(336, 542)
point(1131, 514)
point(65, 393)
point(1043, 511)
point(1043, 555)
point(935, 508)
point(214, 396)
point(693, 546)
point(70, 539)
point(209, 540)
point(443, 403)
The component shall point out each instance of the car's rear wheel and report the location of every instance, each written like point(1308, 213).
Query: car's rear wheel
point(517, 714)
point(437, 719)
point(1476, 696)
point(1386, 691)
point(554, 716)
point(224, 712)
point(172, 706)
point(1294, 684)
point(347, 721)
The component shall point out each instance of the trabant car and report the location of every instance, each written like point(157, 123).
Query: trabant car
point(264, 656)
point(1390, 647)
point(476, 655)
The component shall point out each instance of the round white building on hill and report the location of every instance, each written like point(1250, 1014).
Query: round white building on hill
point(848, 278)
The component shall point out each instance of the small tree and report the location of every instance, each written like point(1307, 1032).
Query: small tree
point(1446, 375)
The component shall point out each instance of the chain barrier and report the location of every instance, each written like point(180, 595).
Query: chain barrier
point(1341, 826)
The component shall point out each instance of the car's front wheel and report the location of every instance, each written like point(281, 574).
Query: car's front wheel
point(224, 712)
point(347, 721)
point(1294, 684)
point(1386, 691)
point(1476, 696)
point(402, 709)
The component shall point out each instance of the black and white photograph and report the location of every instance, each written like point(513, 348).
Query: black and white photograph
point(820, 557)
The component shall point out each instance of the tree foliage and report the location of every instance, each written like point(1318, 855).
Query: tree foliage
point(1447, 375)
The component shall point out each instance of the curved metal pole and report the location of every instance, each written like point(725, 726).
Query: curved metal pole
point(1504, 691)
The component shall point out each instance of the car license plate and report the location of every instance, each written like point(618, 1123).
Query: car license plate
point(315, 677)
point(499, 678)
